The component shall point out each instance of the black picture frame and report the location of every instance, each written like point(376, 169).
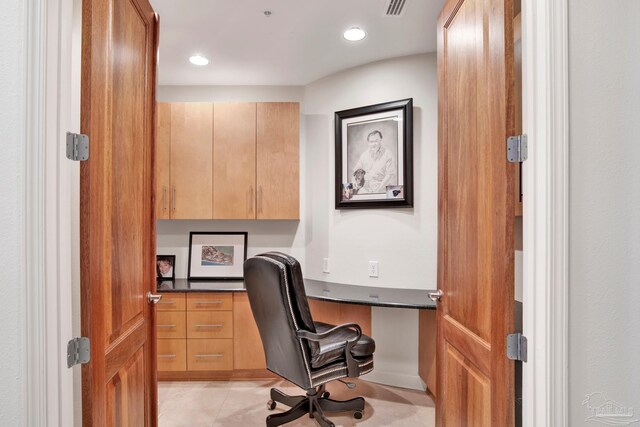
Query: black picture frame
point(350, 194)
point(217, 240)
point(160, 276)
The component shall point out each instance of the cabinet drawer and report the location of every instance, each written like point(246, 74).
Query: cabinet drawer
point(171, 324)
point(210, 324)
point(209, 301)
point(171, 302)
point(210, 355)
point(172, 355)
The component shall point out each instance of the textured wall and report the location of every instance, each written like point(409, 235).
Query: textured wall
point(604, 251)
point(12, 116)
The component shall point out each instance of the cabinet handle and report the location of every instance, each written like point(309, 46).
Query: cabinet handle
point(209, 356)
point(173, 198)
point(164, 198)
point(214, 325)
point(166, 356)
point(167, 326)
point(260, 199)
point(251, 199)
point(209, 302)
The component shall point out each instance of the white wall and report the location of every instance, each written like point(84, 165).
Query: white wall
point(12, 175)
point(604, 251)
point(403, 241)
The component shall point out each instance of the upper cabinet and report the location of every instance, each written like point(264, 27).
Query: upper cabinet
point(227, 161)
point(277, 163)
point(234, 161)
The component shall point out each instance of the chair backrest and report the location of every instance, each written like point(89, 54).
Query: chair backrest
point(279, 304)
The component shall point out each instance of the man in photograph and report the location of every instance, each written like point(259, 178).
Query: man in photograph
point(378, 165)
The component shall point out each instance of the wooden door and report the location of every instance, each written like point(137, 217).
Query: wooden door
point(163, 160)
point(191, 160)
point(475, 380)
point(234, 161)
point(278, 141)
point(119, 39)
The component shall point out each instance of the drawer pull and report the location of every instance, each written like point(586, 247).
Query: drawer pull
point(209, 356)
point(166, 302)
point(209, 302)
point(215, 325)
point(167, 326)
point(166, 356)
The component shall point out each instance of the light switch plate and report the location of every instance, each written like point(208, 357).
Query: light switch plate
point(373, 268)
point(325, 265)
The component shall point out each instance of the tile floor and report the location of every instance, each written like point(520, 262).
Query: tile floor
point(244, 404)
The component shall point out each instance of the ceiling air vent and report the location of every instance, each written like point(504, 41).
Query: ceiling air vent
point(395, 8)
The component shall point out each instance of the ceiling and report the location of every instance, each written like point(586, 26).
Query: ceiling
point(299, 43)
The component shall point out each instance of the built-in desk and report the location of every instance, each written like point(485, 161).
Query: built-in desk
point(198, 320)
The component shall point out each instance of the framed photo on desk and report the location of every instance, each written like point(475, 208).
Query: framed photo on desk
point(217, 255)
point(374, 156)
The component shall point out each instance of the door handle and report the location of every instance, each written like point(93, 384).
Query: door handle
point(164, 198)
point(173, 199)
point(251, 199)
point(435, 296)
point(259, 199)
point(153, 298)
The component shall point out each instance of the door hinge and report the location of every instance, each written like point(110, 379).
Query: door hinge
point(517, 347)
point(517, 148)
point(78, 351)
point(77, 146)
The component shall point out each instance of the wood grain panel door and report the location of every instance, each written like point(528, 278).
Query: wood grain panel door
point(119, 39)
point(191, 160)
point(163, 160)
point(234, 161)
point(278, 148)
point(248, 352)
point(475, 380)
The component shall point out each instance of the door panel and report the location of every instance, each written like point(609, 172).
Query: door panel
point(278, 141)
point(234, 161)
point(475, 214)
point(117, 212)
point(191, 160)
point(163, 160)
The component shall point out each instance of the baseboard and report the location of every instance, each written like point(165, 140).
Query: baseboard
point(395, 379)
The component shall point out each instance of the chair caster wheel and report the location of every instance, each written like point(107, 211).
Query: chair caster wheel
point(325, 395)
point(358, 415)
point(271, 405)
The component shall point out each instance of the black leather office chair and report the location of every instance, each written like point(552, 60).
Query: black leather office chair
point(306, 353)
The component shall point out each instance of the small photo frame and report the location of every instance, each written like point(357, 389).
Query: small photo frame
point(374, 151)
point(165, 267)
point(217, 255)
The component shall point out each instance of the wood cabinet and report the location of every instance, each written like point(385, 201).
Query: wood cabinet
point(208, 335)
point(277, 162)
point(184, 168)
point(234, 161)
point(228, 161)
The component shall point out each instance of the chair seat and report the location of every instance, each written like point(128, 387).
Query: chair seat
point(331, 349)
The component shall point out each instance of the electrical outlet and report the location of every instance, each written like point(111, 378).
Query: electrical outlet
point(373, 268)
point(325, 265)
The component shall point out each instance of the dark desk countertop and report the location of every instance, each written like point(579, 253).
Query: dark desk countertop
point(319, 290)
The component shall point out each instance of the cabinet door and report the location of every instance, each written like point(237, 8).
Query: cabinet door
point(191, 160)
point(234, 161)
point(278, 159)
point(163, 160)
point(247, 345)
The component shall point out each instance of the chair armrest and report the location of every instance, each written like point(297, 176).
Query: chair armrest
point(352, 363)
point(312, 336)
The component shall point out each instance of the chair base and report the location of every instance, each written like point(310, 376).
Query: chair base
point(315, 403)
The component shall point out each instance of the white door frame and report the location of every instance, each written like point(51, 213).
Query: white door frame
point(51, 181)
point(545, 213)
point(51, 186)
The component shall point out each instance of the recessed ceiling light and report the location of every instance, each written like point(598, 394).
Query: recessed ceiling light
point(198, 60)
point(354, 34)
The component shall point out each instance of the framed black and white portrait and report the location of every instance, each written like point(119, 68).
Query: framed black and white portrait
point(374, 156)
point(217, 255)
